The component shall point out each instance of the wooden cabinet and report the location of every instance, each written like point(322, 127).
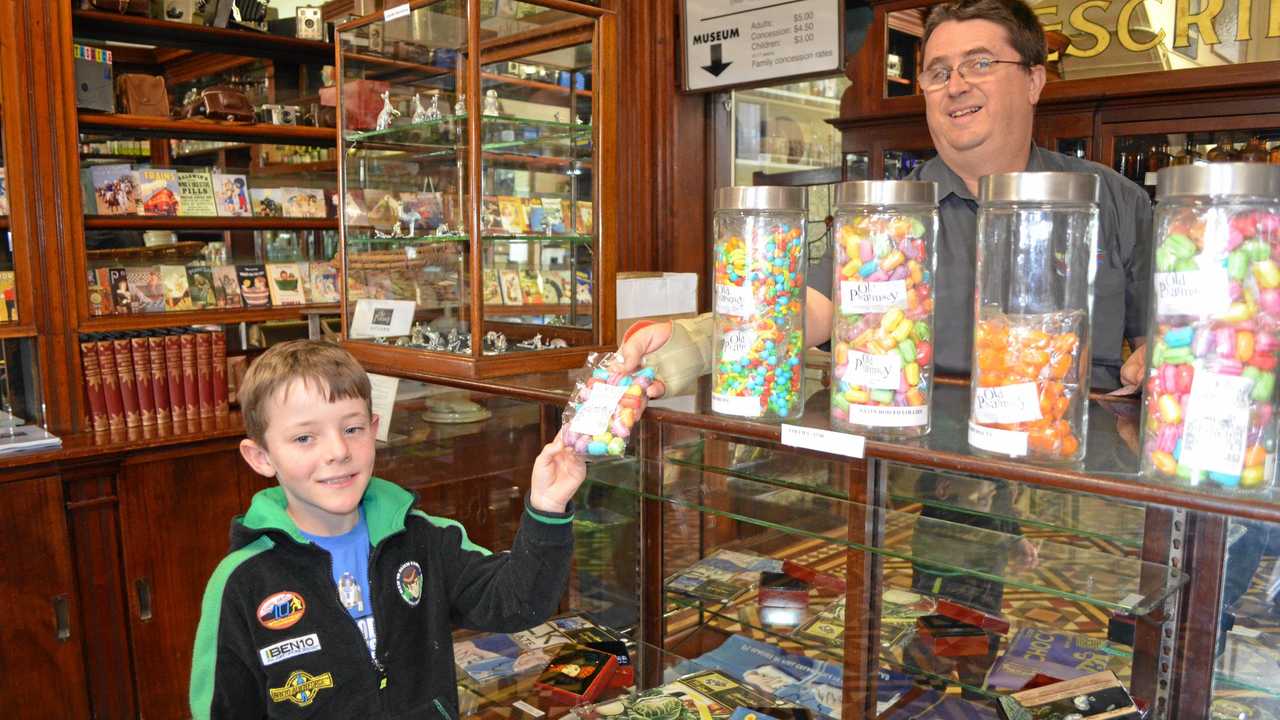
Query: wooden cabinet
point(40, 656)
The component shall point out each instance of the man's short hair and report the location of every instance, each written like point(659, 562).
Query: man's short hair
point(322, 365)
point(1015, 16)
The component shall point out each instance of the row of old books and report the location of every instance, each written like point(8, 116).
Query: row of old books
point(172, 288)
point(153, 377)
point(420, 213)
point(124, 189)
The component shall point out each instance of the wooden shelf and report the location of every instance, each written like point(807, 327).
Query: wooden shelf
point(188, 249)
point(534, 309)
point(142, 321)
point(392, 64)
point(144, 126)
point(533, 84)
point(11, 330)
point(133, 222)
point(96, 25)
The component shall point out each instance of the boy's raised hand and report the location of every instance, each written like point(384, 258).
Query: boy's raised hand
point(557, 474)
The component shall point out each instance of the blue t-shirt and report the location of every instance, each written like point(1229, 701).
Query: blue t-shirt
point(350, 552)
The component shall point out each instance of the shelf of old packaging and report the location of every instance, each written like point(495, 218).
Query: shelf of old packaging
point(138, 321)
point(533, 84)
point(398, 242)
point(147, 126)
point(135, 29)
point(1064, 571)
point(134, 222)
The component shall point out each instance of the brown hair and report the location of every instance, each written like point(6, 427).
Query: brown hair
point(1015, 16)
point(317, 363)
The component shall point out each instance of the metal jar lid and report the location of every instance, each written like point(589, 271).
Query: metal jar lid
point(1249, 179)
point(887, 192)
point(760, 197)
point(1039, 187)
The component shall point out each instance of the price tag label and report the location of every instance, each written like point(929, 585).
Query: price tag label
point(398, 11)
point(1007, 404)
point(1216, 428)
point(1199, 292)
point(593, 417)
point(878, 372)
point(887, 416)
point(871, 297)
point(737, 405)
point(737, 344)
point(823, 440)
point(1005, 442)
point(735, 300)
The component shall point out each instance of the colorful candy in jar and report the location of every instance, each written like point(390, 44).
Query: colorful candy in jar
point(882, 335)
point(1208, 398)
point(605, 410)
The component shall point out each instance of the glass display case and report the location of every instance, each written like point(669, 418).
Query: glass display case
point(476, 216)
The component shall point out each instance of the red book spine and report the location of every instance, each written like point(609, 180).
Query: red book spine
point(173, 368)
point(190, 385)
point(204, 372)
point(93, 384)
point(219, 372)
point(142, 379)
point(111, 384)
point(159, 379)
point(128, 385)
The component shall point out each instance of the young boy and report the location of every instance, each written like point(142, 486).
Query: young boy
point(337, 599)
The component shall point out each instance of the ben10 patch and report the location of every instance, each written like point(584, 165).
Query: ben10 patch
point(301, 688)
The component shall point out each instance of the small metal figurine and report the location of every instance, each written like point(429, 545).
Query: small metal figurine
point(433, 112)
point(455, 342)
point(416, 335)
point(387, 112)
point(491, 102)
point(442, 230)
point(419, 112)
point(495, 342)
point(460, 107)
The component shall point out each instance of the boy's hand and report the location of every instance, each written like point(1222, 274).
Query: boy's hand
point(557, 473)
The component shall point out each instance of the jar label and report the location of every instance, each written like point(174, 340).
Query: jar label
point(888, 416)
point(878, 372)
point(828, 441)
point(592, 417)
point(737, 405)
point(1216, 429)
point(1199, 292)
point(1005, 442)
point(735, 300)
point(870, 297)
point(1006, 404)
point(736, 345)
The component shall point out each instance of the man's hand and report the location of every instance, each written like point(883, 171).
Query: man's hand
point(1134, 370)
point(641, 343)
point(557, 474)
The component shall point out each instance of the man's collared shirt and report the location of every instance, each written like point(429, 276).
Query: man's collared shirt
point(1121, 286)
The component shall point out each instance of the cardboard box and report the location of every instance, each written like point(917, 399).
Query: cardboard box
point(95, 88)
point(655, 296)
point(946, 637)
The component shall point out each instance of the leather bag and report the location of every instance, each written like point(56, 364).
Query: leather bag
point(124, 7)
point(142, 95)
point(220, 102)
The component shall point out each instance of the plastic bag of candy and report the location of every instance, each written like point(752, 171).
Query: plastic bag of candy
point(605, 408)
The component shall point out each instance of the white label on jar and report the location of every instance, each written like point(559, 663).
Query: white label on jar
point(592, 417)
point(1199, 292)
point(889, 416)
point(1007, 404)
point(734, 300)
point(737, 343)
point(737, 405)
point(871, 297)
point(1216, 423)
point(1005, 442)
point(878, 372)
point(827, 441)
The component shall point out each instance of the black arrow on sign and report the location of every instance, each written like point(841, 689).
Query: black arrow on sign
point(716, 67)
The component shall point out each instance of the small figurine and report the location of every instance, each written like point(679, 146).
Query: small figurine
point(432, 340)
point(460, 107)
point(558, 343)
point(556, 116)
point(579, 119)
point(419, 112)
point(491, 102)
point(387, 113)
point(495, 342)
point(433, 112)
point(454, 342)
point(442, 230)
point(416, 336)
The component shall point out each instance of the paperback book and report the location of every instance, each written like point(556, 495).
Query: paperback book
point(226, 287)
point(195, 187)
point(146, 288)
point(158, 191)
point(121, 296)
point(177, 294)
point(267, 202)
point(253, 285)
point(200, 285)
point(115, 191)
point(232, 194)
point(285, 283)
point(303, 202)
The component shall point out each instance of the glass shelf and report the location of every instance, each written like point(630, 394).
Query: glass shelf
point(371, 240)
point(435, 134)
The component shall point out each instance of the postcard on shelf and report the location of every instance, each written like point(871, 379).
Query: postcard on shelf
point(585, 219)
point(100, 292)
point(4, 193)
point(26, 438)
point(787, 676)
point(323, 287)
point(582, 286)
point(490, 216)
point(9, 308)
point(382, 318)
point(492, 291)
point(196, 190)
point(267, 202)
point(537, 216)
point(115, 191)
point(510, 285)
point(553, 215)
point(177, 293)
point(232, 192)
point(722, 576)
point(531, 287)
point(146, 288)
point(253, 285)
point(200, 285)
point(286, 284)
point(514, 215)
point(121, 297)
point(226, 287)
point(556, 288)
point(158, 191)
point(303, 202)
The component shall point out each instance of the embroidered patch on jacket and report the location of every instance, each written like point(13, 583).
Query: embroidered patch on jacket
point(286, 649)
point(282, 610)
point(409, 582)
point(301, 688)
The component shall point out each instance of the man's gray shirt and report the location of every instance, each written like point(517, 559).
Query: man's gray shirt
point(1121, 288)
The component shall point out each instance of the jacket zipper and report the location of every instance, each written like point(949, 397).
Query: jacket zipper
point(373, 660)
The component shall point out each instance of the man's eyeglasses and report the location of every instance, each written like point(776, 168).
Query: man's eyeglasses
point(972, 69)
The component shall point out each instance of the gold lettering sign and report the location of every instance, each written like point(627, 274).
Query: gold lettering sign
point(1125, 33)
point(1203, 20)
point(1102, 38)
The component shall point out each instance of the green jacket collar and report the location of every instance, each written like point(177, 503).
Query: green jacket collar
point(385, 507)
